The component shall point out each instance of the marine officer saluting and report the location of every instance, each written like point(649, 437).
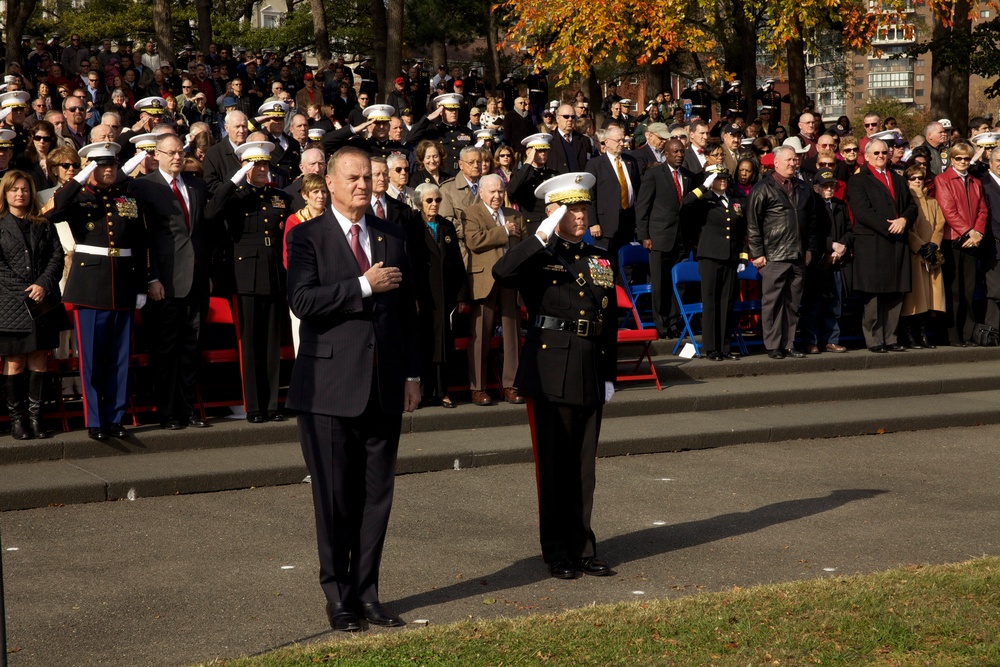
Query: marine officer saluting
point(567, 367)
point(255, 214)
point(106, 282)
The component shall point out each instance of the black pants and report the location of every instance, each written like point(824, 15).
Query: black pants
point(174, 325)
point(564, 438)
point(959, 272)
point(352, 461)
point(260, 320)
point(666, 312)
point(718, 298)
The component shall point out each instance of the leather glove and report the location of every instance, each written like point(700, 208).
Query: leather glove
point(140, 301)
point(85, 173)
point(136, 160)
point(609, 391)
point(707, 183)
point(241, 175)
point(929, 252)
point(549, 224)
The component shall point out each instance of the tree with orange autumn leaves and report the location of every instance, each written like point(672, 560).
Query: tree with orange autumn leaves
point(570, 38)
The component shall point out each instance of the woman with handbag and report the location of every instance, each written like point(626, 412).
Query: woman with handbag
point(926, 296)
point(31, 315)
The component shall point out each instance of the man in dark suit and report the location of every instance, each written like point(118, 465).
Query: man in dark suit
point(570, 149)
point(658, 228)
point(220, 160)
point(517, 124)
point(991, 244)
point(349, 283)
point(611, 211)
point(383, 206)
point(694, 157)
point(313, 161)
point(883, 213)
point(178, 279)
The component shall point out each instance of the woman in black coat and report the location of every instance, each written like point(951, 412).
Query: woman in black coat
point(31, 312)
point(718, 212)
point(440, 281)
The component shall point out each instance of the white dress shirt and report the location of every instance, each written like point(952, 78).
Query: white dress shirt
point(363, 239)
point(628, 181)
point(180, 186)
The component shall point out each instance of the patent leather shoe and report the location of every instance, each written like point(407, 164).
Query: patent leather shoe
point(794, 354)
point(171, 425)
point(776, 354)
point(116, 430)
point(732, 356)
point(342, 617)
point(275, 416)
point(878, 349)
point(376, 614)
point(896, 347)
point(595, 567)
point(255, 418)
point(563, 569)
point(197, 422)
point(97, 434)
point(714, 356)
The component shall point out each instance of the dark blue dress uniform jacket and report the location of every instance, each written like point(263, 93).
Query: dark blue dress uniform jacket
point(106, 218)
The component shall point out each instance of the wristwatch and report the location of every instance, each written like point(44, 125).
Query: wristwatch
point(414, 379)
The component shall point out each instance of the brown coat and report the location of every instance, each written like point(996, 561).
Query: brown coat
point(487, 242)
point(927, 286)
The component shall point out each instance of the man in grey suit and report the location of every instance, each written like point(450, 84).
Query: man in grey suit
point(220, 160)
point(178, 279)
point(357, 371)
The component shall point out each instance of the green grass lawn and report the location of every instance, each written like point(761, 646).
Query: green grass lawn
point(938, 616)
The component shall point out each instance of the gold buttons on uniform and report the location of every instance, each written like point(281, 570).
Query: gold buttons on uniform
point(576, 257)
point(583, 312)
point(581, 294)
point(544, 346)
point(555, 282)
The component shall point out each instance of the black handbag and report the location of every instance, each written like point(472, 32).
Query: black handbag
point(986, 336)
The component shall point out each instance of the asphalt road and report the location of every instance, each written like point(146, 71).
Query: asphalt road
point(183, 579)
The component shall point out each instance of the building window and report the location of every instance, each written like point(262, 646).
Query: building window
point(984, 13)
point(919, 63)
point(919, 92)
point(859, 96)
point(858, 81)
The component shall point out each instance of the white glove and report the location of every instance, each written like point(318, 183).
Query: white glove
point(85, 173)
point(741, 267)
point(140, 301)
point(134, 163)
point(241, 175)
point(609, 391)
point(479, 144)
point(708, 181)
point(549, 224)
point(6, 112)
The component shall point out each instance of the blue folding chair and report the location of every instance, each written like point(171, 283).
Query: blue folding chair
point(634, 255)
point(685, 273)
point(745, 307)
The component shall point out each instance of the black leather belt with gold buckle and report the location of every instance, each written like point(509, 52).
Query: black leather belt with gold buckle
point(582, 328)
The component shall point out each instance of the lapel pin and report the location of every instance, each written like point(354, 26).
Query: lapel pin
point(380, 239)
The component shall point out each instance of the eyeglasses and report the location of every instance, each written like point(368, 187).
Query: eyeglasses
point(871, 124)
point(852, 149)
point(171, 153)
point(68, 165)
point(399, 170)
point(42, 137)
point(880, 152)
point(961, 158)
point(186, 87)
point(433, 200)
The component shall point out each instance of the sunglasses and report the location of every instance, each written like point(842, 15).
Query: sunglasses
point(435, 200)
point(503, 155)
point(399, 170)
point(68, 165)
point(871, 124)
point(852, 149)
point(959, 158)
point(41, 137)
point(566, 115)
point(825, 164)
point(916, 178)
point(880, 152)
point(73, 109)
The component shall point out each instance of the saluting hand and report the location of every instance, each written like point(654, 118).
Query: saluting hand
point(383, 278)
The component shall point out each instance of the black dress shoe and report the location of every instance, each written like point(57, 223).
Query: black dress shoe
point(255, 418)
point(117, 431)
point(776, 354)
point(172, 425)
point(595, 567)
point(879, 349)
point(198, 422)
point(376, 614)
point(958, 343)
point(715, 356)
point(896, 347)
point(731, 355)
point(342, 617)
point(795, 354)
point(563, 569)
point(275, 416)
point(97, 434)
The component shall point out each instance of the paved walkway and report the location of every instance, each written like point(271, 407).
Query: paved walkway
point(183, 579)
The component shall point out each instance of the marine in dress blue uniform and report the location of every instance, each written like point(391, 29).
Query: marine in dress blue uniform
point(567, 367)
point(254, 213)
point(107, 275)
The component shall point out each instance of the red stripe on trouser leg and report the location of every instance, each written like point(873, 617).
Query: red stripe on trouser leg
point(534, 448)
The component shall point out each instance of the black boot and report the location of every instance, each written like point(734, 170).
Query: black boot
point(16, 406)
point(36, 389)
point(921, 329)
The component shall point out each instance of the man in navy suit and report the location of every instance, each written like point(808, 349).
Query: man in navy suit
point(659, 229)
point(178, 279)
point(570, 149)
point(611, 211)
point(357, 370)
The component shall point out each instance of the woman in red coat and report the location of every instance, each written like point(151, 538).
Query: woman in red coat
point(960, 196)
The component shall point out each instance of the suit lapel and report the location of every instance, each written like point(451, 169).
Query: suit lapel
point(376, 241)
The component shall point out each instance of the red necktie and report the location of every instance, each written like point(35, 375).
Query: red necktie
point(379, 209)
point(180, 199)
point(677, 184)
point(359, 253)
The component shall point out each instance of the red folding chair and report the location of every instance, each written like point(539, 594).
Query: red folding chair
point(642, 337)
